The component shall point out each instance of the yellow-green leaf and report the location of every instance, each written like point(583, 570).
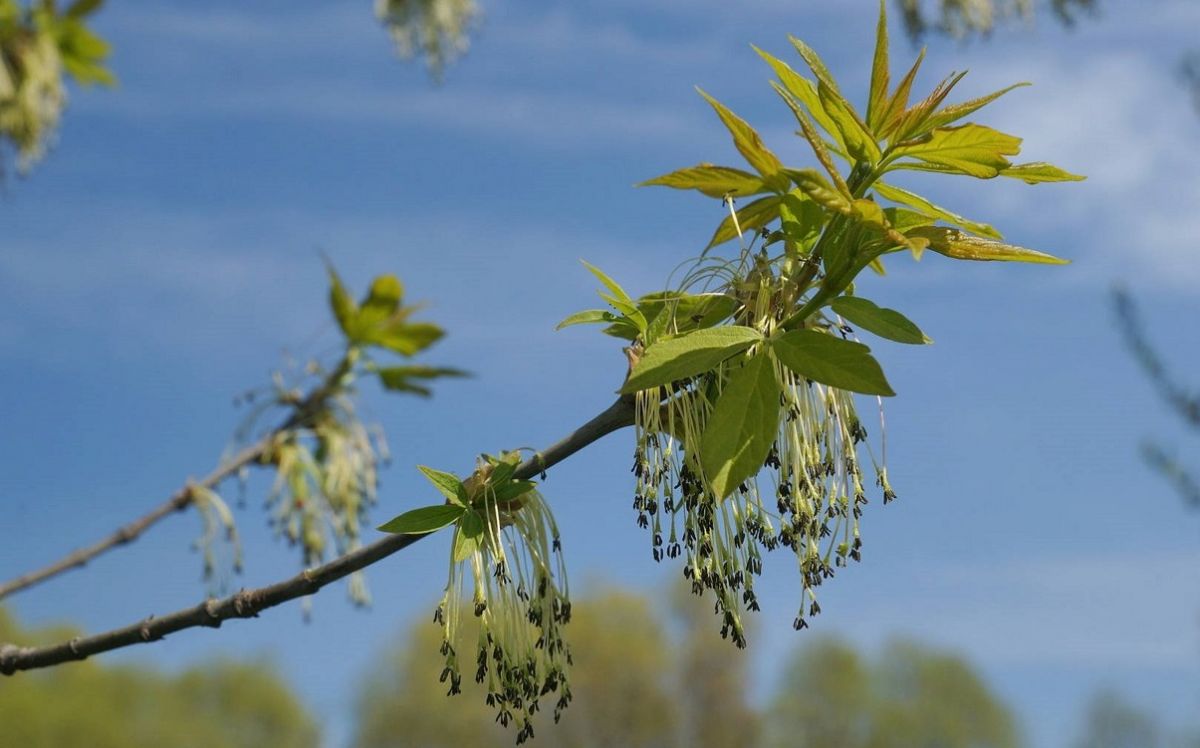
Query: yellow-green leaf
point(886, 323)
point(620, 300)
point(811, 183)
point(859, 142)
point(587, 316)
point(960, 246)
point(1040, 172)
point(838, 363)
point(815, 63)
point(688, 355)
point(401, 337)
point(381, 302)
point(915, 120)
point(878, 101)
point(468, 536)
point(898, 102)
point(955, 112)
point(714, 181)
point(424, 520)
point(971, 149)
point(742, 427)
point(345, 311)
point(805, 91)
point(814, 139)
point(447, 484)
point(747, 141)
point(399, 378)
point(913, 200)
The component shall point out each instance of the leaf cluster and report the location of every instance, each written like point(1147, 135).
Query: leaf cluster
point(830, 223)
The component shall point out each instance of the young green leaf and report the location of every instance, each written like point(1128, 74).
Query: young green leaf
point(860, 144)
point(617, 296)
point(812, 184)
point(750, 218)
point(915, 120)
point(468, 536)
point(587, 316)
point(877, 103)
point(671, 312)
point(955, 112)
point(748, 143)
point(886, 323)
point(688, 355)
point(741, 429)
point(913, 200)
point(801, 221)
point(971, 149)
point(398, 336)
point(345, 311)
point(624, 329)
point(805, 91)
point(512, 489)
point(815, 64)
point(381, 302)
point(613, 287)
point(447, 483)
point(896, 105)
point(1040, 172)
point(814, 139)
point(714, 181)
point(960, 246)
point(838, 363)
point(398, 378)
point(424, 520)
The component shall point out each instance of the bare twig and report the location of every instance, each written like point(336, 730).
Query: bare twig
point(179, 501)
point(248, 603)
point(183, 498)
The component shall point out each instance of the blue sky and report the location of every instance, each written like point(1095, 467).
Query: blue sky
point(166, 255)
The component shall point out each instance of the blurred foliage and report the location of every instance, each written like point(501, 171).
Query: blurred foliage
point(621, 678)
point(43, 44)
point(40, 44)
point(325, 459)
point(645, 680)
point(436, 30)
point(222, 705)
point(1189, 71)
point(910, 696)
point(1112, 722)
point(962, 18)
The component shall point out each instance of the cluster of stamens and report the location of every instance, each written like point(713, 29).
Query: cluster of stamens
point(519, 596)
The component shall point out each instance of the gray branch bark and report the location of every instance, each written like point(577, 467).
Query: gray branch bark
point(183, 498)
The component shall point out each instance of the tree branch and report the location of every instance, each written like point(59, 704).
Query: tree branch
point(247, 603)
point(183, 498)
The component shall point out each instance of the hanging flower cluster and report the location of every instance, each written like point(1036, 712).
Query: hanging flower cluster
point(506, 545)
point(40, 44)
point(816, 492)
point(744, 378)
point(325, 458)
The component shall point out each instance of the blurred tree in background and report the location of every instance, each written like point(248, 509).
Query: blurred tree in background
point(910, 696)
point(220, 705)
point(1112, 722)
point(640, 680)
